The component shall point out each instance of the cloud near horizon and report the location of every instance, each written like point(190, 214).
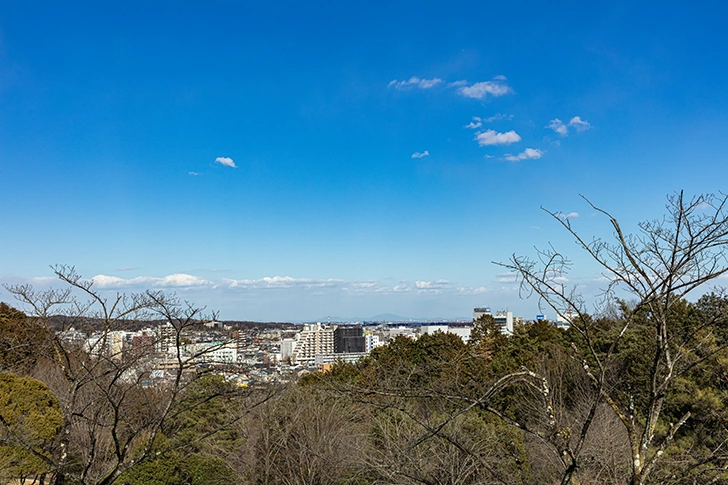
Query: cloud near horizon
point(178, 280)
point(183, 282)
point(226, 161)
point(492, 137)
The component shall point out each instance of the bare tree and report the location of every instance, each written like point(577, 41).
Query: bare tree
point(302, 437)
point(658, 267)
point(113, 414)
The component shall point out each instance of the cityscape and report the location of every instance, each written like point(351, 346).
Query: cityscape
point(247, 353)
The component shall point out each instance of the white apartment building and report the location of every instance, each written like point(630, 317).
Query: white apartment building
point(371, 342)
point(212, 352)
point(462, 332)
point(315, 339)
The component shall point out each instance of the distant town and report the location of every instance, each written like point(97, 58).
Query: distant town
point(247, 353)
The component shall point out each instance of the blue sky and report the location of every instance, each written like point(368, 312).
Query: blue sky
point(291, 161)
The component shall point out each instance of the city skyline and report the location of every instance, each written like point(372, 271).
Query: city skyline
point(287, 162)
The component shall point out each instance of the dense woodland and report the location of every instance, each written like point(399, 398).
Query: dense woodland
point(634, 392)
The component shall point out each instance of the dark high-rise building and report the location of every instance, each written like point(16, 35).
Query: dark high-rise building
point(349, 339)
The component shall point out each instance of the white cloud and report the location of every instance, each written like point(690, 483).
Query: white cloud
point(415, 81)
point(497, 117)
point(421, 154)
point(104, 281)
point(558, 126)
point(570, 215)
point(179, 280)
point(472, 291)
point(576, 122)
point(476, 123)
point(492, 137)
point(456, 84)
point(429, 83)
point(480, 90)
point(182, 280)
point(527, 154)
point(282, 282)
point(432, 286)
point(194, 174)
point(227, 161)
point(579, 124)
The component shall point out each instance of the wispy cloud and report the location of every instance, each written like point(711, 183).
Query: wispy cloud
point(281, 285)
point(456, 84)
point(476, 123)
point(273, 282)
point(415, 81)
point(579, 124)
point(497, 117)
point(226, 161)
point(497, 87)
point(558, 126)
point(472, 290)
point(566, 217)
point(506, 277)
point(492, 137)
point(427, 285)
point(562, 129)
point(421, 154)
point(194, 174)
point(527, 154)
point(432, 286)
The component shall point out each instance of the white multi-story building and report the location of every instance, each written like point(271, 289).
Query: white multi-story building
point(371, 342)
point(287, 345)
point(315, 339)
point(480, 311)
point(563, 320)
point(212, 352)
point(462, 332)
point(165, 339)
point(503, 318)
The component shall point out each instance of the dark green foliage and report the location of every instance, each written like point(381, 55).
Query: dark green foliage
point(180, 469)
point(30, 419)
point(22, 340)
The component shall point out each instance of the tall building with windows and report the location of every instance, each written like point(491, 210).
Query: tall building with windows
point(480, 311)
point(313, 340)
point(505, 320)
point(502, 317)
point(349, 339)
